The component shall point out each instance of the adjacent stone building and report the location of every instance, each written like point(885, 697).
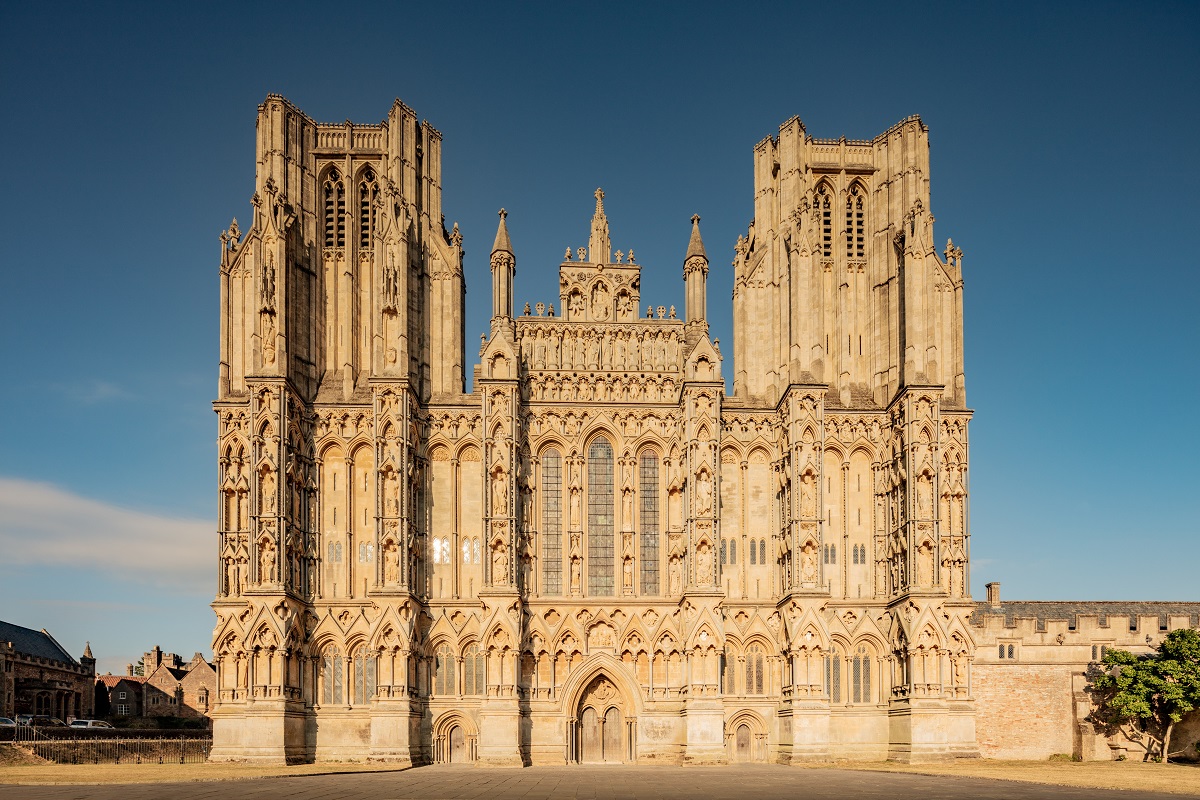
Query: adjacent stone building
point(174, 688)
point(599, 553)
point(38, 675)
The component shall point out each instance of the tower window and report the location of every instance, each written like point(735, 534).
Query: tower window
point(368, 192)
point(334, 202)
point(824, 213)
point(856, 223)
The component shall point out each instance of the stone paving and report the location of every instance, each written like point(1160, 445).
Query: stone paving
point(662, 783)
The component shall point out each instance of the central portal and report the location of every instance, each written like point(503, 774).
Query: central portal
point(601, 724)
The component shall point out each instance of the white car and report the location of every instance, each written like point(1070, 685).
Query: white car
point(5, 722)
point(89, 723)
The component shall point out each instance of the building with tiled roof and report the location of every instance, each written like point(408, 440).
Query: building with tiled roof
point(1031, 665)
point(39, 676)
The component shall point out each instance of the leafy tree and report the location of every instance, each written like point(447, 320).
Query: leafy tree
point(140, 667)
point(1149, 693)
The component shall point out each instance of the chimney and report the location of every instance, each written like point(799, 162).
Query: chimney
point(993, 594)
point(129, 669)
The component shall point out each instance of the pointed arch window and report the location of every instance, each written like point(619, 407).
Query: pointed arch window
point(601, 550)
point(756, 659)
point(364, 677)
point(856, 224)
point(368, 193)
point(648, 484)
point(860, 675)
point(443, 672)
point(551, 463)
point(333, 195)
point(331, 676)
point(823, 202)
point(833, 676)
point(473, 671)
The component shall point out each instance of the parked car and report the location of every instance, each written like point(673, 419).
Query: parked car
point(43, 721)
point(5, 722)
point(89, 723)
point(23, 719)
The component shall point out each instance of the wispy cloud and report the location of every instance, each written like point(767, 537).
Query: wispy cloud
point(91, 392)
point(44, 525)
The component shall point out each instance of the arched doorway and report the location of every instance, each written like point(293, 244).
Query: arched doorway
point(457, 745)
point(600, 725)
point(742, 752)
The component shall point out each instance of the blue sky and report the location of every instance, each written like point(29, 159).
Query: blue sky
point(1062, 164)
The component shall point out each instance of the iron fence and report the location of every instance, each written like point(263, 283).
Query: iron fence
point(116, 749)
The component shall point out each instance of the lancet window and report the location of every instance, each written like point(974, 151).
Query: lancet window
point(823, 209)
point(856, 215)
point(368, 193)
point(364, 677)
point(331, 676)
point(333, 192)
point(601, 548)
point(833, 676)
point(755, 669)
point(443, 671)
point(551, 522)
point(648, 522)
point(860, 675)
point(473, 671)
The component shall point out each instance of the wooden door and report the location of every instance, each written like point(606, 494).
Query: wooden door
point(591, 746)
point(742, 742)
point(458, 745)
point(614, 738)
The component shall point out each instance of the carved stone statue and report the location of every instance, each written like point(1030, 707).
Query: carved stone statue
point(808, 563)
point(266, 562)
point(499, 494)
point(500, 563)
point(704, 565)
point(675, 576)
point(704, 493)
point(268, 491)
point(576, 569)
point(391, 563)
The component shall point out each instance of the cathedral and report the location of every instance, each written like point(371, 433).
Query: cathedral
point(599, 553)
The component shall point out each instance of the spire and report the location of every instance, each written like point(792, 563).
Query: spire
point(502, 244)
point(599, 245)
point(695, 245)
point(87, 650)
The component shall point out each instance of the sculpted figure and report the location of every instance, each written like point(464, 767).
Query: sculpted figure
point(266, 562)
point(500, 564)
point(704, 565)
point(575, 570)
point(808, 563)
point(499, 495)
point(675, 574)
point(391, 563)
point(268, 491)
point(703, 493)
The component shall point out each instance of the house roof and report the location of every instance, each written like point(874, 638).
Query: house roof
point(110, 681)
point(34, 643)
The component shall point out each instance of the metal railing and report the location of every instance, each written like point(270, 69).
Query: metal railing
point(90, 749)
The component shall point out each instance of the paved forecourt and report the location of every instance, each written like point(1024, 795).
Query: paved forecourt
point(662, 783)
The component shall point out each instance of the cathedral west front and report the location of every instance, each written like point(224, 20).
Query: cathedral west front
point(599, 553)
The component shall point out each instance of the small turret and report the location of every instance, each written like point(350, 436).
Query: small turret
point(503, 268)
point(695, 277)
point(599, 244)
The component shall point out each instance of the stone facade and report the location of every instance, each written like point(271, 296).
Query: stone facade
point(596, 554)
point(38, 676)
point(174, 688)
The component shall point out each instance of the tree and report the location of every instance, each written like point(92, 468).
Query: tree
point(140, 668)
point(1149, 693)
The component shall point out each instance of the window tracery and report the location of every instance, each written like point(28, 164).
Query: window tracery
point(334, 203)
point(649, 522)
point(364, 677)
point(860, 677)
point(551, 522)
point(368, 193)
point(331, 676)
point(823, 203)
point(856, 238)
point(443, 671)
point(755, 670)
point(473, 671)
point(601, 548)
